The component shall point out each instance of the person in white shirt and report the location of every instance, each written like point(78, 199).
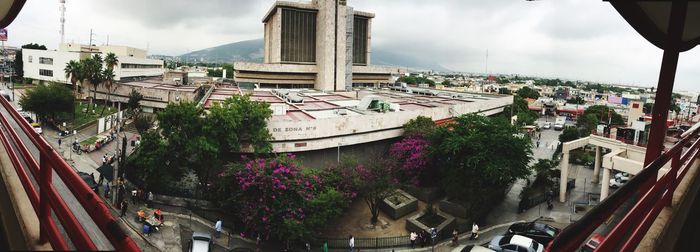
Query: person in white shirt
point(351, 243)
point(475, 231)
point(217, 226)
point(413, 237)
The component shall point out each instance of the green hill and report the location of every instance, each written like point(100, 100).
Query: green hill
point(252, 51)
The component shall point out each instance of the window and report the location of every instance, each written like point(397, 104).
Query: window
point(45, 61)
point(30, 58)
point(360, 34)
point(45, 72)
point(298, 35)
point(129, 65)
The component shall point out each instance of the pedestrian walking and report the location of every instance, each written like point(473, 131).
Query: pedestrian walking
point(133, 197)
point(325, 246)
point(102, 178)
point(475, 232)
point(423, 238)
point(455, 236)
point(413, 237)
point(538, 143)
point(351, 243)
point(308, 247)
point(125, 205)
point(59, 143)
point(106, 190)
point(149, 199)
point(104, 159)
point(217, 227)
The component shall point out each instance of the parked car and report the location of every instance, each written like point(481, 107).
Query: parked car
point(623, 176)
point(547, 125)
point(200, 242)
point(471, 248)
point(592, 243)
point(617, 183)
point(515, 243)
point(6, 95)
point(89, 180)
point(539, 232)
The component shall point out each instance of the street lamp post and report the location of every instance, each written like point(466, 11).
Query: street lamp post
point(339, 144)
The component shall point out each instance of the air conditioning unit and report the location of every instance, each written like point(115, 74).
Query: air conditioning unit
point(342, 111)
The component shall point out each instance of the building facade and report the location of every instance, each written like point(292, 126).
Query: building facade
point(48, 65)
point(322, 44)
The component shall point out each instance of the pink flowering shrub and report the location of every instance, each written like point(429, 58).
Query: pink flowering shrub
point(411, 158)
point(273, 194)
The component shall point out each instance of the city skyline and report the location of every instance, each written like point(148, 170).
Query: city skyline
point(585, 40)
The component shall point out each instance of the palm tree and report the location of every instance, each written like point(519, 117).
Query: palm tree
point(111, 60)
point(73, 71)
point(93, 72)
point(108, 78)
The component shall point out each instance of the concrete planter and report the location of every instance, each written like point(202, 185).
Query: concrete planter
point(444, 229)
point(407, 204)
point(453, 208)
point(425, 194)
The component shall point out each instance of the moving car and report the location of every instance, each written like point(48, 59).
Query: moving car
point(539, 232)
point(471, 248)
point(89, 180)
point(547, 125)
point(37, 128)
point(515, 243)
point(200, 242)
point(559, 123)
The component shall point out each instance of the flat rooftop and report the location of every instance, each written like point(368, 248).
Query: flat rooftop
point(158, 84)
point(317, 104)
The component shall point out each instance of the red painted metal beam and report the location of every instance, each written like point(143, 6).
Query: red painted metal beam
point(667, 75)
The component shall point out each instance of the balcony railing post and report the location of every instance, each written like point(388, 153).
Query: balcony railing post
point(44, 203)
point(672, 177)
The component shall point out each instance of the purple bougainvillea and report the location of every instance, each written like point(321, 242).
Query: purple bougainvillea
point(411, 157)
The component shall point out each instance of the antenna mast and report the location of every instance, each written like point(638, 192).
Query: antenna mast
point(62, 9)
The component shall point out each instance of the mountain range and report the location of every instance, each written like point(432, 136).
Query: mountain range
point(252, 51)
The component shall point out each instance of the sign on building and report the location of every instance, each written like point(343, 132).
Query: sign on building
point(3, 34)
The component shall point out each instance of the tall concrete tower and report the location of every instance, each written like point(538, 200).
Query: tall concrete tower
point(62, 9)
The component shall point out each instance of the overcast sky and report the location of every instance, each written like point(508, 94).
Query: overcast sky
point(573, 39)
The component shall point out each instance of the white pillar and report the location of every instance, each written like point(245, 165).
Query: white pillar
point(604, 190)
point(564, 167)
point(596, 166)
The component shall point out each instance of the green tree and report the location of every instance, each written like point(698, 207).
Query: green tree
point(92, 68)
point(47, 101)
point(576, 100)
point(545, 172)
point(479, 156)
point(134, 102)
point(446, 83)
point(569, 134)
point(420, 125)
point(148, 163)
point(245, 117)
point(522, 110)
point(527, 92)
point(597, 114)
point(143, 122)
point(647, 108)
point(504, 91)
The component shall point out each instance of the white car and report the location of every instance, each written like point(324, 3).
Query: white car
point(623, 176)
point(618, 182)
point(515, 243)
point(200, 242)
point(547, 125)
point(471, 248)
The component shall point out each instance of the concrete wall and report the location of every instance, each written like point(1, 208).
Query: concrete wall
point(348, 130)
point(152, 97)
point(120, 72)
point(325, 49)
point(60, 59)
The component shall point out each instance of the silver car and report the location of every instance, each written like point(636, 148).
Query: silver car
point(200, 242)
point(515, 243)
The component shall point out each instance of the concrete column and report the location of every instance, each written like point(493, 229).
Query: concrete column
point(564, 167)
point(596, 166)
point(604, 190)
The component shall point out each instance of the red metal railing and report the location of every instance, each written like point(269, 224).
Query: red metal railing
point(49, 199)
point(653, 196)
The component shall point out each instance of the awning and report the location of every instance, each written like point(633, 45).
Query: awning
point(107, 171)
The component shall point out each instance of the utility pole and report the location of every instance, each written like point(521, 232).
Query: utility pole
point(115, 181)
